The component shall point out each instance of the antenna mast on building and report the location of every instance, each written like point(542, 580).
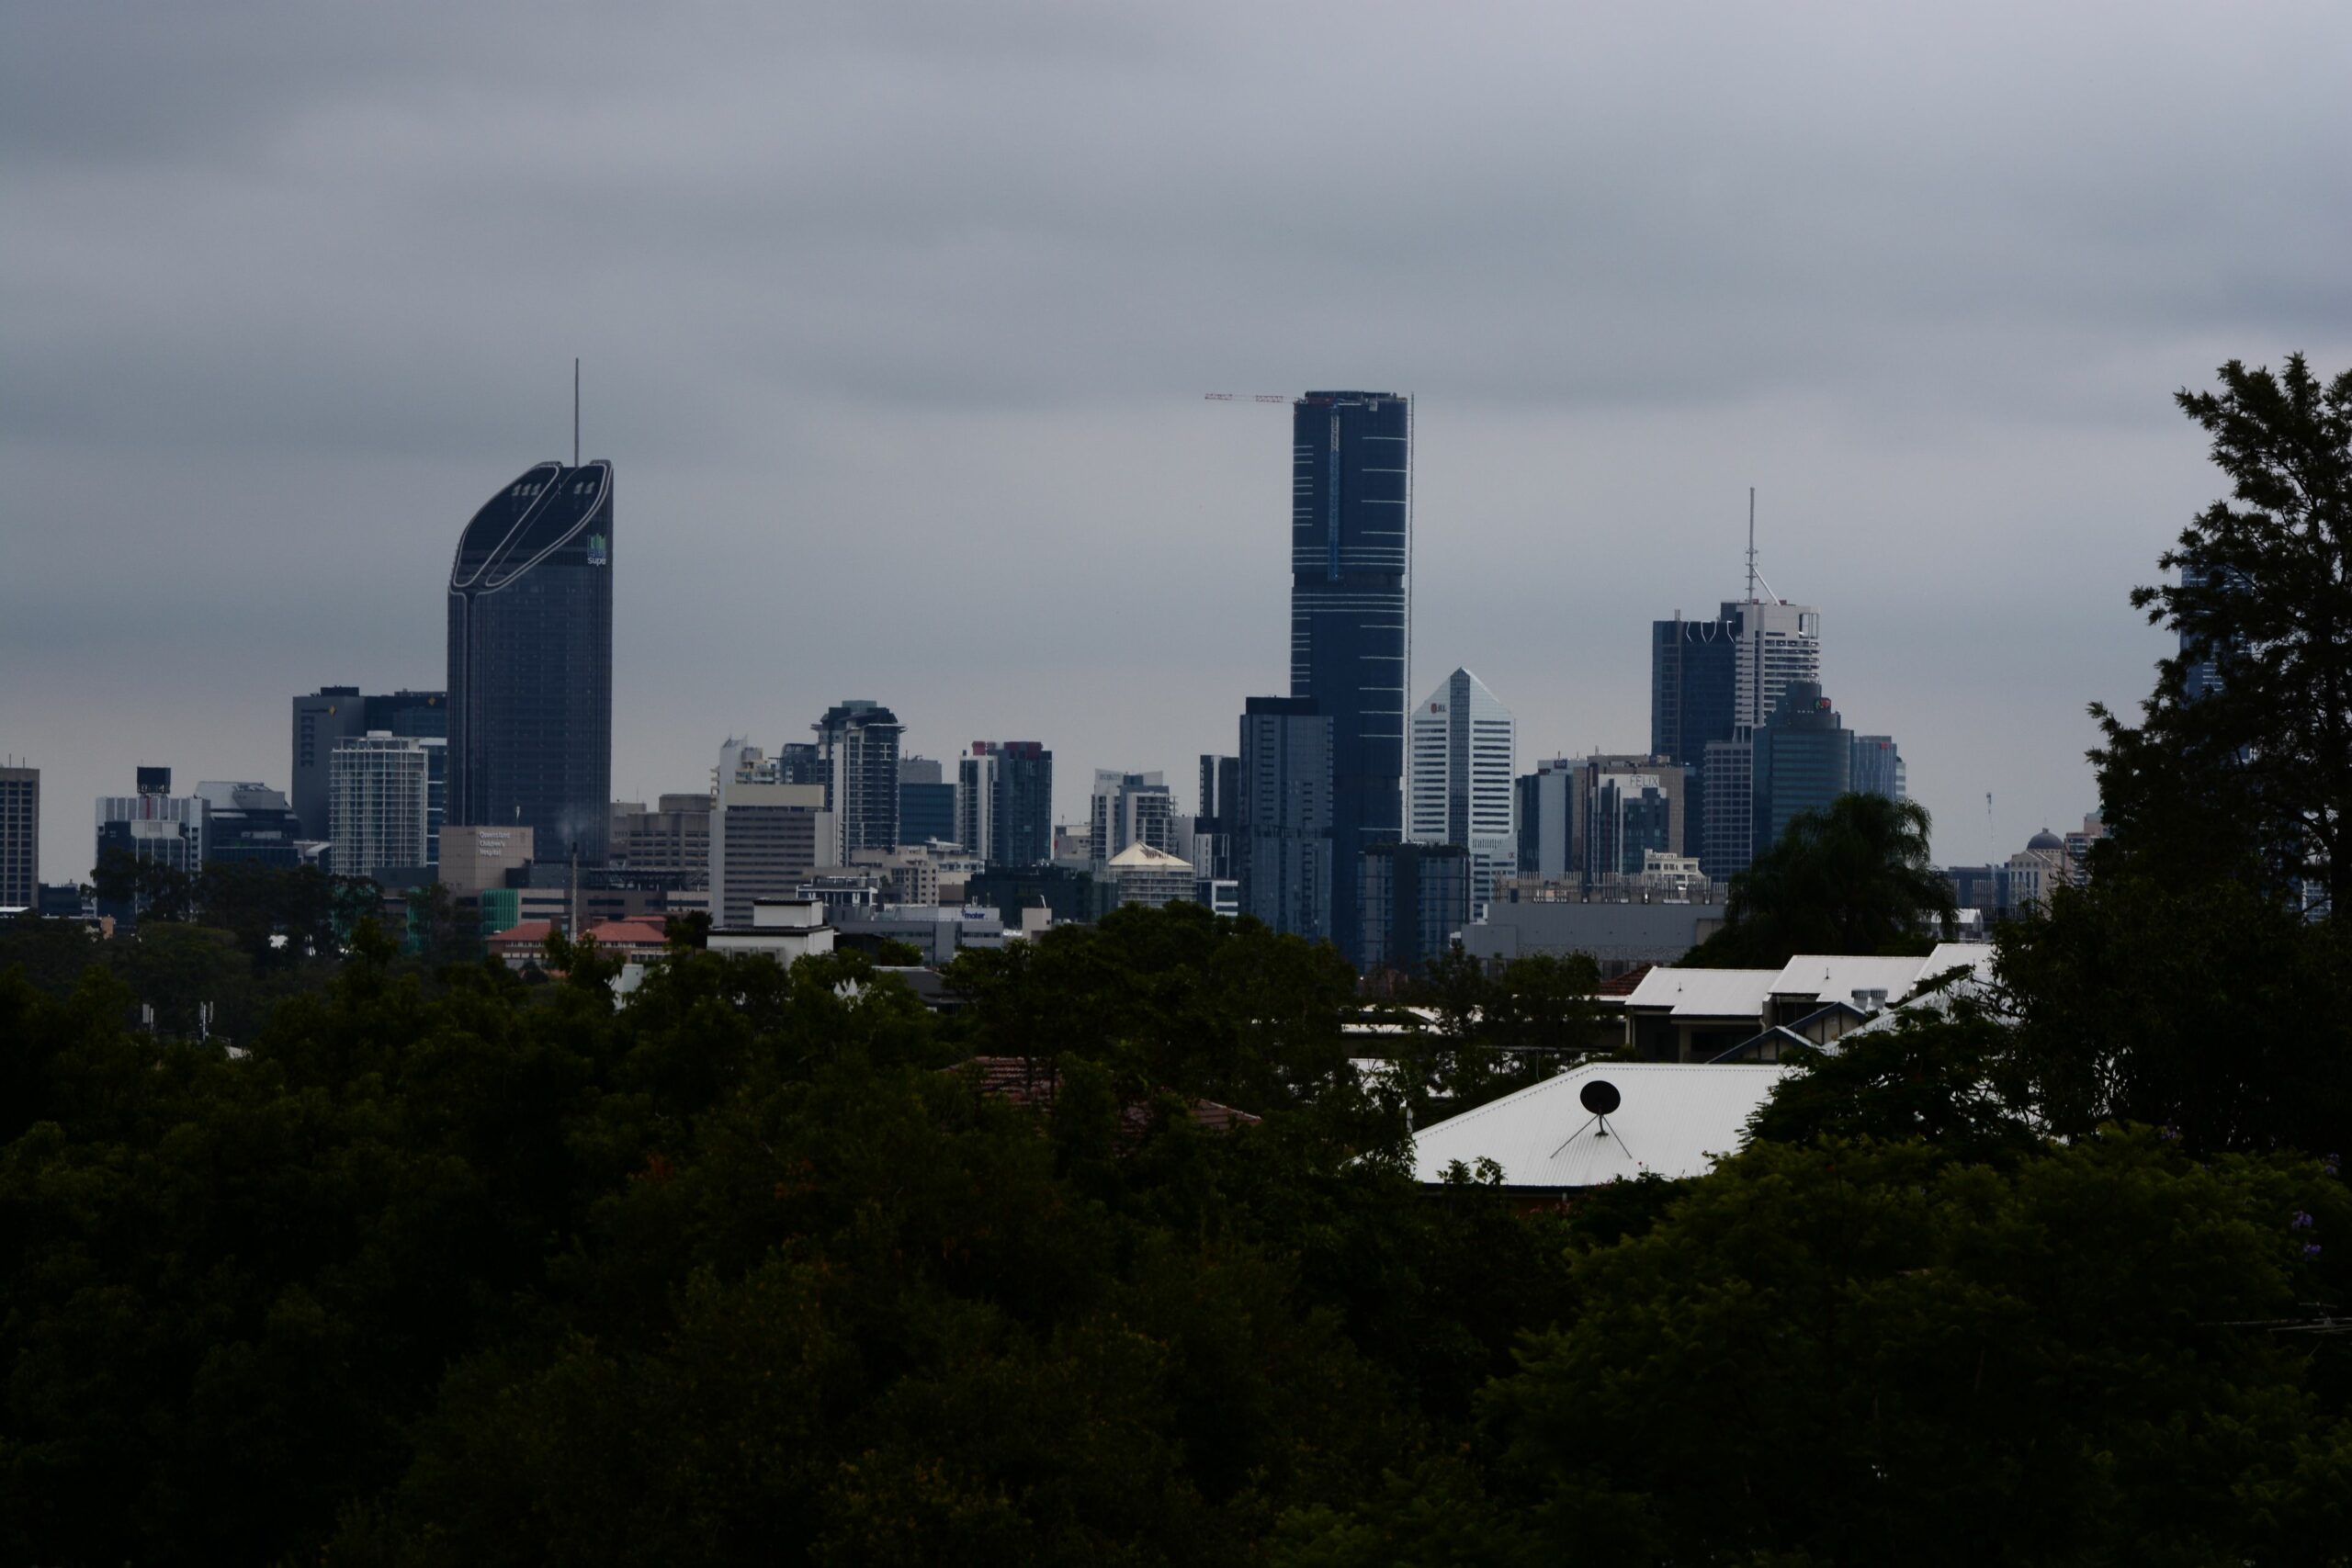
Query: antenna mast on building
point(1750, 513)
point(575, 446)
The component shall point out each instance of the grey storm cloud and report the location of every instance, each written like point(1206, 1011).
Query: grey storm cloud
point(896, 320)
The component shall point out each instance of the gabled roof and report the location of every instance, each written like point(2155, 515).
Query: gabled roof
point(1974, 956)
point(1672, 1119)
point(1825, 977)
point(1624, 985)
point(1703, 993)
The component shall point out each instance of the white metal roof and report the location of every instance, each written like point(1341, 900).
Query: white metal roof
point(1672, 1119)
point(1976, 956)
point(1705, 993)
point(1835, 979)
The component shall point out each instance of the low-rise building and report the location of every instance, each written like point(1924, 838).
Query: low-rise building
point(786, 930)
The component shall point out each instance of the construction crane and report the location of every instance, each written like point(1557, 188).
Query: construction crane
point(1250, 397)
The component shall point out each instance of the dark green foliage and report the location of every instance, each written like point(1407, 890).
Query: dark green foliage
point(1864, 1353)
point(1857, 878)
point(2266, 590)
point(454, 1268)
point(1955, 1082)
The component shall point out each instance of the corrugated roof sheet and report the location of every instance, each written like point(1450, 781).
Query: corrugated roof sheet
point(1672, 1118)
point(1976, 956)
point(1705, 993)
point(1836, 978)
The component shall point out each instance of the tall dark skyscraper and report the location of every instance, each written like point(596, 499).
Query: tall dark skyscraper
point(1350, 613)
point(531, 662)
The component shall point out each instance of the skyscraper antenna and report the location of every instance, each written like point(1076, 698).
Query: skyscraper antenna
point(1750, 527)
point(575, 462)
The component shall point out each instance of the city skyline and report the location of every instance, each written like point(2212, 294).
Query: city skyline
point(935, 351)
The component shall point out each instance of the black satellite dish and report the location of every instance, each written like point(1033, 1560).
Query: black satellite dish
point(1601, 1097)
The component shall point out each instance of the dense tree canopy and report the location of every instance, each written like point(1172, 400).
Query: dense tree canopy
point(1857, 877)
point(2259, 766)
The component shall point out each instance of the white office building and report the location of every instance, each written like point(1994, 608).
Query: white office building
point(1458, 787)
point(378, 786)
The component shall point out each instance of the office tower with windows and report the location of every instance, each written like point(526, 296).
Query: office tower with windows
point(1628, 808)
point(1350, 617)
point(153, 826)
point(376, 787)
point(1458, 787)
point(668, 846)
point(1546, 814)
point(1804, 759)
point(326, 718)
point(248, 824)
point(1130, 808)
point(857, 745)
point(1004, 802)
point(1416, 899)
point(766, 836)
point(1726, 801)
point(1283, 840)
point(530, 701)
point(1715, 682)
point(19, 838)
point(926, 802)
point(1215, 825)
point(1878, 768)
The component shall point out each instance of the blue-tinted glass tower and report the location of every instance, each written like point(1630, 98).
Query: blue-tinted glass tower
point(531, 662)
point(1351, 611)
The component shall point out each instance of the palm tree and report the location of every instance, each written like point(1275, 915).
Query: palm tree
point(1855, 878)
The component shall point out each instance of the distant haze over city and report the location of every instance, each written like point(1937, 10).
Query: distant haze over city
point(897, 324)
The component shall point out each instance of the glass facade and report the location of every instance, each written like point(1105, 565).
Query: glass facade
point(1350, 610)
point(530, 709)
point(1804, 759)
point(1416, 897)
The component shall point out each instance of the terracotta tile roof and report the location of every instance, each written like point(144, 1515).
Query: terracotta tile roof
point(629, 934)
point(530, 933)
point(1031, 1081)
point(1625, 983)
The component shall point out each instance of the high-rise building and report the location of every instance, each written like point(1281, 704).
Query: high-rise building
point(1546, 815)
point(1004, 802)
point(1629, 809)
point(376, 787)
point(926, 802)
point(326, 718)
point(668, 846)
point(1131, 809)
point(765, 836)
point(1351, 640)
point(1715, 682)
point(1218, 820)
point(531, 662)
point(1804, 759)
point(1282, 843)
point(249, 824)
point(1148, 878)
point(1878, 768)
point(19, 838)
point(857, 742)
point(1416, 897)
point(1728, 793)
point(1458, 789)
point(152, 826)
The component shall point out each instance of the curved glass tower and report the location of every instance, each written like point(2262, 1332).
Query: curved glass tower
point(531, 662)
point(1350, 549)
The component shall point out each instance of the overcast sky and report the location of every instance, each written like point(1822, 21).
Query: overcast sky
point(897, 321)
